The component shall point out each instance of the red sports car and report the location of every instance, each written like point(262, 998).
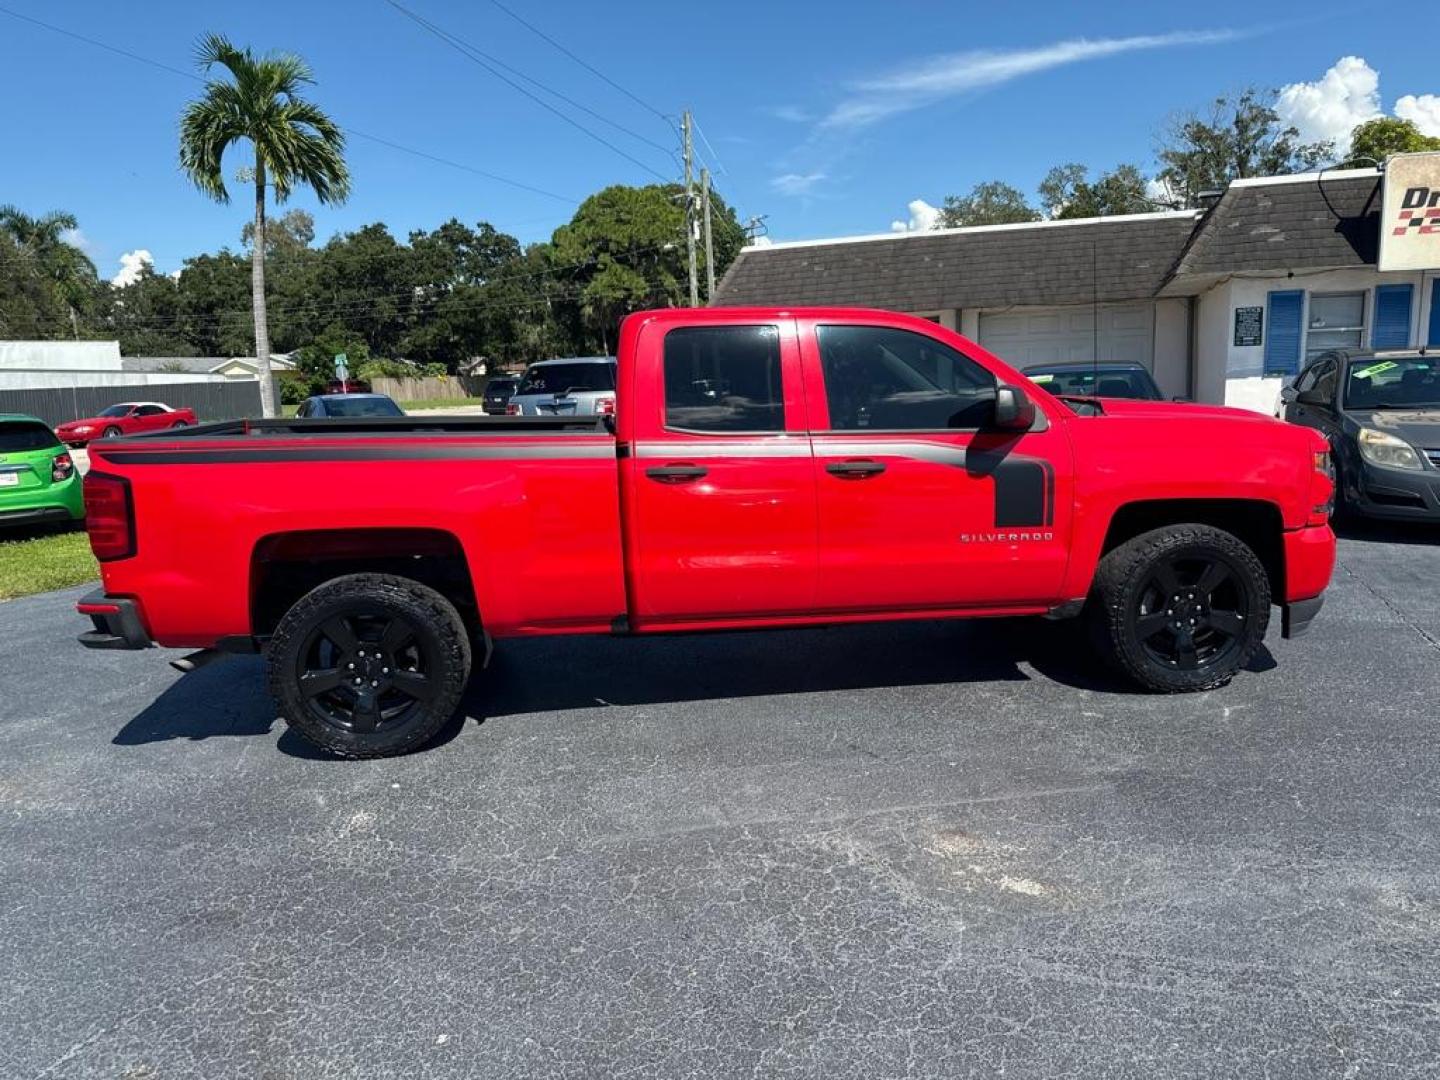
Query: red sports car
point(127, 418)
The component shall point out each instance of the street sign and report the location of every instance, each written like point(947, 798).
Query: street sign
point(342, 371)
point(1410, 215)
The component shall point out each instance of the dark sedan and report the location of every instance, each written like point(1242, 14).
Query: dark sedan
point(1381, 413)
point(348, 405)
point(1112, 379)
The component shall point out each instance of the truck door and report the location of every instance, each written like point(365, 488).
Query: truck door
point(719, 487)
point(918, 505)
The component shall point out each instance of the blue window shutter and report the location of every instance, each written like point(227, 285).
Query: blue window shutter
point(1282, 342)
point(1392, 317)
point(1433, 338)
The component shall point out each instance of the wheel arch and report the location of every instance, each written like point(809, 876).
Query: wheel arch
point(285, 566)
point(1259, 524)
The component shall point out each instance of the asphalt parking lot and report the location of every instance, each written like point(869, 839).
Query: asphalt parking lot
point(919, 850)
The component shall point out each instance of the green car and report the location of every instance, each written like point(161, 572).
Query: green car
point(38, 479)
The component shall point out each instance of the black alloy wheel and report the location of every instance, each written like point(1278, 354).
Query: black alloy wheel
point(369, 665)
point(1180, 608)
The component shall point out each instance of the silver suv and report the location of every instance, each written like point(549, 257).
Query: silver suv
point(577, 386)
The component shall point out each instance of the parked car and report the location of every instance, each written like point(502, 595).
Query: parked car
point(126, 418)
point(766, 468)
point(1107, 380)
point(498, 392)
point(579, 386)
point(1381, 415)
point(38, 478)
point(326, 405)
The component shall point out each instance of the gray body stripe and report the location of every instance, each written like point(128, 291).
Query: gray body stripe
point(255, 454)
point(681, 449)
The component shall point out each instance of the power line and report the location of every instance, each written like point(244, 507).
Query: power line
point(476, 57)
point(588, 67)
point(719, 165)
point(350, 131)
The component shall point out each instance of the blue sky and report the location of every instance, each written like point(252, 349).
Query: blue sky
point(830, 117)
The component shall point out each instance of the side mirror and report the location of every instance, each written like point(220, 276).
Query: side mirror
point(1311, 397)
point(1013, 410)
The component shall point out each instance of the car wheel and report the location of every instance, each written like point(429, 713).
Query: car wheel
point(1180, 608)
point(179, 424)
point(369, 665)
point(111, 432)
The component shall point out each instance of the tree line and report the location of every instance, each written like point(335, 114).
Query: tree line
point(1240, 136)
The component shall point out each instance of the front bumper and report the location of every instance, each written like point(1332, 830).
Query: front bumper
point(116, 620)
point(1396, 494)
point(1295, 618)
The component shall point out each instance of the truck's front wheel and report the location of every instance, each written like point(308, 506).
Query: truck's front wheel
point(1180, 608)
point(369, 665)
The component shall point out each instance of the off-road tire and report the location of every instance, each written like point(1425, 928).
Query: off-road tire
point(438, 630)
point(1126, 579)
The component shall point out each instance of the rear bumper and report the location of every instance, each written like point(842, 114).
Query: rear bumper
point(117, 622)
point(37, 515)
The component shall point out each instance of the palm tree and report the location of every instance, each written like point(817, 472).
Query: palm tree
point(294, 143)
point(67, 267)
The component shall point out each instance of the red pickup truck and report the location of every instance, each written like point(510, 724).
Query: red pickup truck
point(764, 468)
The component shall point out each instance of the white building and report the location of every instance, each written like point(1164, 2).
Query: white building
point(1221, 304)
point(38, 365)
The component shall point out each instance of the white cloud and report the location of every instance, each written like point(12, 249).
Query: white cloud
point(1328, 109)
point(923, 217)
point(132, 264)
point(797, 183)
point(760, 241)
point(174, 275)
point(793, 114)
point(1424, 110)
point(76, 239)
point(938, 77)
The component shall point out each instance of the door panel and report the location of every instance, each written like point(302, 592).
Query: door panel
point(956, 517)
point(723, 519)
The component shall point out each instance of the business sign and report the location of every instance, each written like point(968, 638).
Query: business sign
point(1249, 326)
point(1410, 214)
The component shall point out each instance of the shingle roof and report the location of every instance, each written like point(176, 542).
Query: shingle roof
point(1048, 263)
point(192, 365)
point(1308, 224)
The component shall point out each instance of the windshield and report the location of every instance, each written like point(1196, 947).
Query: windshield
point(557, 378)
point(117, 410)
point(17, 436)
point(361, 406)
point(1404, 382)
point(1115, 382)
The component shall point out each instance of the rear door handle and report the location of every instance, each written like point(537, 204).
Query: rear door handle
point(855, 470)
point(676, 474)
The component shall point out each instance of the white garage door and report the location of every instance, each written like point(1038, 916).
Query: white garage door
point(1067, 334)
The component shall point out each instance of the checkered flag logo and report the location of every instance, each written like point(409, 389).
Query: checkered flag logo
point(1424, 221)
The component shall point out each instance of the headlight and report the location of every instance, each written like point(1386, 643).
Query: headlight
point(1378, 448)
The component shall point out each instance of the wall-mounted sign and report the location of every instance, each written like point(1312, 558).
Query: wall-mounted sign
point(1249, 326)
point(1410, 214)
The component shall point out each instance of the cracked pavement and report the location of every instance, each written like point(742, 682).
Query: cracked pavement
point(922, 850)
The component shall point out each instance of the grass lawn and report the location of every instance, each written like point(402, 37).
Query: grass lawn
point(37, 562)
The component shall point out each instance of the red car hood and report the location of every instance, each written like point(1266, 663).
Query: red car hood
point(93, 421)
point(1166, 410)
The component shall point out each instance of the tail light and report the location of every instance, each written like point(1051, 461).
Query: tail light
point(512, 410)
point(605, 406)
point(109, 516)
point(61, 467)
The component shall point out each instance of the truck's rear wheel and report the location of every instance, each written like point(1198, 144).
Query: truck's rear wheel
point(1180, 608)
point(369, 665)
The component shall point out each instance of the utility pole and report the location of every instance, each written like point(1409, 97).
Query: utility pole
point(709, 249)
point(690, 207)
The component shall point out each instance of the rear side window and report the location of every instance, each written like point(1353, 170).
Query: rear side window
point(882, 379)
point(17, 436)
point(724, 378)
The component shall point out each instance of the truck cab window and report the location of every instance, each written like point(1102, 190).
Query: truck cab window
point(884, 379)
point(724, 378)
